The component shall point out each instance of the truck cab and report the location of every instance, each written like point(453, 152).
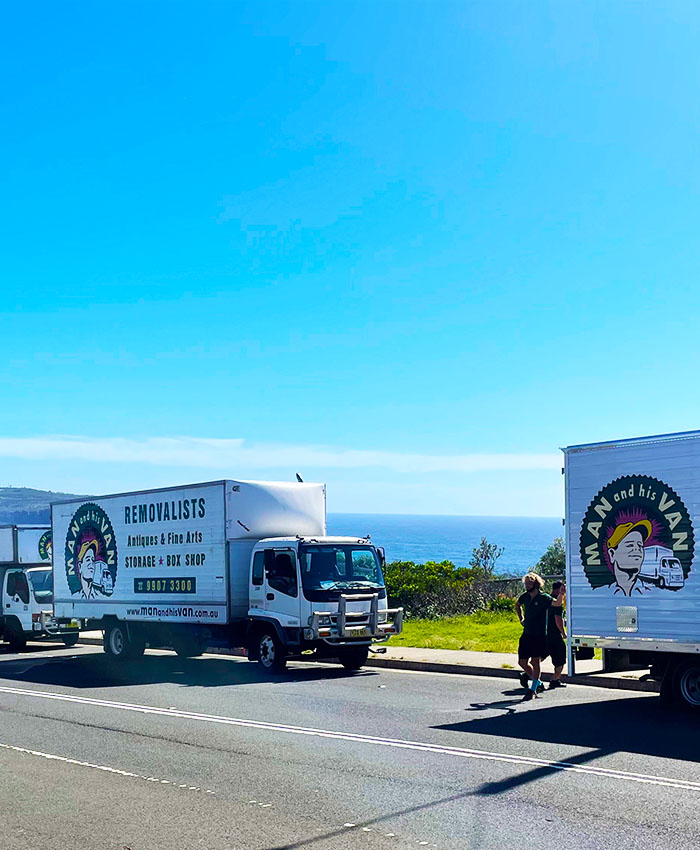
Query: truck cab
point(317, 595)
point(26, 587)
point(27, 608)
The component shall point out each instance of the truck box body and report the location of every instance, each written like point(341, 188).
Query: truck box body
point(25, 544)
point(179, 554)
point(632, 513)
point(7, 544)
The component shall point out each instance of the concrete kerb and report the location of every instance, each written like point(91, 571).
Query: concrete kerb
point(621, 682)
point(627, 684)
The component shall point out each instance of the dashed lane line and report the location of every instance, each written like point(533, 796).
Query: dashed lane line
point(103, 767)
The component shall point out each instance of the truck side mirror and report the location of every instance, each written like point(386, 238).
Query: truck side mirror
point(382, 556)
point(269, 560)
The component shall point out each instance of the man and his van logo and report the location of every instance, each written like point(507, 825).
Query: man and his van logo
point(45, 546)
point(637, 535)
point(91, 553)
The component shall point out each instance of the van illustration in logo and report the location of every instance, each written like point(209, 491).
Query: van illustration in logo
point(91, 553)
point(46, 546)
point(636, 536)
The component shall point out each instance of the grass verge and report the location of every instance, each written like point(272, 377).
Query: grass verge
point(484, 631)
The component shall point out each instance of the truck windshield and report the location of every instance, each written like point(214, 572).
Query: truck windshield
point(42, 585)
point(340, 567)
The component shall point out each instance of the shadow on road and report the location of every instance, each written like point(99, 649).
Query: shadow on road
point(629, 724)
point(96, 670)
point(488, 789)
point(34, 649)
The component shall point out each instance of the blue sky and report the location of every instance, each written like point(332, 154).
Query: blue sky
point(409, 249)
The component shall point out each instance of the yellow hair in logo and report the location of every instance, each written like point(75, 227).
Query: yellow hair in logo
point(89, 544)
point(643, 526)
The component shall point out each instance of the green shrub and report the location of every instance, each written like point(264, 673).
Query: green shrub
point(503, 604)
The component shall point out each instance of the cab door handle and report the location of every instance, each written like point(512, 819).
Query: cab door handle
point(270, 595)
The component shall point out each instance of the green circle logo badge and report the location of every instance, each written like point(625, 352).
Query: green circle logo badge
point(46, 546)
point(637, 536)
point(91, 553)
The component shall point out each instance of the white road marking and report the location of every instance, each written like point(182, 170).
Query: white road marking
point(103, 767)
point(439, 749)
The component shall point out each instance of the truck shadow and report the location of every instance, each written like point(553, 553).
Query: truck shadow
point(96, 670)
point(629, 724)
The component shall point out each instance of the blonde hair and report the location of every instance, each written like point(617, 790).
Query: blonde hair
point(536, 578)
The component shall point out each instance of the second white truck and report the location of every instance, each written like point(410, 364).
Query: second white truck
point(224, 563)
point(26, 588)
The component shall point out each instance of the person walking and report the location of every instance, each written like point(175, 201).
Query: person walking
point(556, 634)
point(532, 609)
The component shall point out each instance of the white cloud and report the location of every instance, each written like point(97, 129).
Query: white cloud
point(208, 453)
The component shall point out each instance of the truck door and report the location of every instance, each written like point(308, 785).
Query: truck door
point(16, 597)
point(281, 586)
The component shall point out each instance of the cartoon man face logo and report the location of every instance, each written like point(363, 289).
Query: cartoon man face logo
point(626, 552)
point(87, 563)
point(91, 553)
point(637, 537)
point(45, 546)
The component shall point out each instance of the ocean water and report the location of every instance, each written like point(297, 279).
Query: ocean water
point(452, 538)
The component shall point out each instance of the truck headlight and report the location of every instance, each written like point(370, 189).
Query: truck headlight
point(382, 617)
point(323, 620)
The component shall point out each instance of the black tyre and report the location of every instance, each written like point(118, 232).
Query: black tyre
point(686, 685)
point(118, 644)
point(69, 640)
point(666, 694)
point(355, 658)
point(15, 637)
point(271, 653)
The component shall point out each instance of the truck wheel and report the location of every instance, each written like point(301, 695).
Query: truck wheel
point(355, 658)
point(686, 685)
point(118, 646)
point(662, 583)
point(271, 654)
point(15, 637)
point(69, 640)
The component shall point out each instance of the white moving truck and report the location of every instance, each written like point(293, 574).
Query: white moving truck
point(632, 514)
point(224, 563)
point(26, 611)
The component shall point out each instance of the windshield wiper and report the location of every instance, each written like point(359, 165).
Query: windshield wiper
point(351, 584)
point(347, 585)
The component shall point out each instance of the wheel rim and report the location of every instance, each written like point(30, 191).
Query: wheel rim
point(690, 685)
point(267, 651)
point(116, 641)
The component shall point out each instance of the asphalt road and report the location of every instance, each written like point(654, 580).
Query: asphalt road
point(210, 753)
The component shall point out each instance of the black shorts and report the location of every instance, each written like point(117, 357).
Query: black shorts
point(556, 647)
point(532, 646)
